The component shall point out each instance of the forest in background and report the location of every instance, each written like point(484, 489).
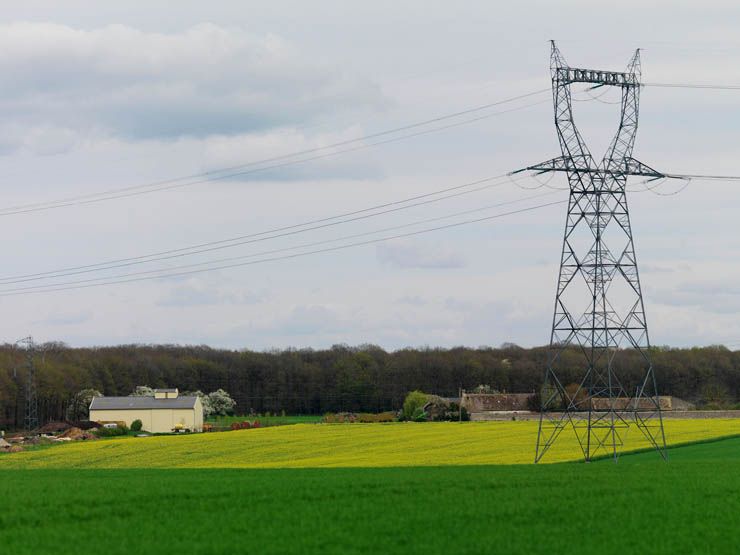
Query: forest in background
point(360, 379)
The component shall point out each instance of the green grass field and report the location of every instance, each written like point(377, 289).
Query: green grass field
point(640, 505)
point(372, 489)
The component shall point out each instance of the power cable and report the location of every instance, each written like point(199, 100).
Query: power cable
point(304, 245)
point(701, 177)
point(71, 285)
point(231, 172)
point(693, 86)
point(263, 235)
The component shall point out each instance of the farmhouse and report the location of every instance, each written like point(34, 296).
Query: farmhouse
point(165, 412)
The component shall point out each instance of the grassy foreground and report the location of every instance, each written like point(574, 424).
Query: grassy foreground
point(640, 505)
point(343, 445)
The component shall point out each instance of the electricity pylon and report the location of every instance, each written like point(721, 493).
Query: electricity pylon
point(599, 315)
point(31, 419)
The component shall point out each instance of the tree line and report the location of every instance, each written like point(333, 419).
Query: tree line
point(356, 379)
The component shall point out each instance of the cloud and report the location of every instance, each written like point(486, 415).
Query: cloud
point(412, 300)
point(66, 319)
point(201, 294)
point(224, 151)
point(120, 81)
point(310, 319)
point(711, 296)
point(409, 255)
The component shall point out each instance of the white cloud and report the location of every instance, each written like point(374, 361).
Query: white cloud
point(225, 151)
point(200, 292)
point(125, 82)
point(408, 255)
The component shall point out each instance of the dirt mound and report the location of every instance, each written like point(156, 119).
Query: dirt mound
point(75, 434)
point(54, 428)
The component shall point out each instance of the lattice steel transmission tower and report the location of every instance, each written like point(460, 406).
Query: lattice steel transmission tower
point(599, 317)
point(31, 418)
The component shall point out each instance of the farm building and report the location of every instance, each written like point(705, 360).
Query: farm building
point(165, 412)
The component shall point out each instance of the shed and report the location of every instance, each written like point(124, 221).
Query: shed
point(167, 411)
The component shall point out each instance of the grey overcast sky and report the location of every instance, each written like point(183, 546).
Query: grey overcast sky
point(101, 95)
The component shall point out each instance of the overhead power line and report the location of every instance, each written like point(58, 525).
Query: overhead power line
point(312, 225)
point(693, 86)
point(275, 162)
point(74, 285)
point(286, 249)
point(274, 233)
point(704, 177)
point(259, 165)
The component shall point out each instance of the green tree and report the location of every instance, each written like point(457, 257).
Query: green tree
point(79, 406)
point(142, 391)
point(414, 404)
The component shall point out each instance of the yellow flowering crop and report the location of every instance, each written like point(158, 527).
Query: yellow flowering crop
point(343, 445)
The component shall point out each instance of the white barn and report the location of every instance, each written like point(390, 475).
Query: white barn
point(167, 411)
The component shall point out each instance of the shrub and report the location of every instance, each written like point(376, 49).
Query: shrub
point(419, 415)
point(388, 416)
point(236, 426)
point(454, 413)
point(577, 396)
point(364, 417)
point(112, 432)
point(413, 404)
point(256, 424)
point(534, 402)
point(245, 425)
point(465, 416)
point(136, 425)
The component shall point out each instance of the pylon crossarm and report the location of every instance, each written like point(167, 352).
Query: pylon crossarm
point(629, 166)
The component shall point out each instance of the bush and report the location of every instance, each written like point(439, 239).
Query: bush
point(534, 403)
point(112, 432)
point(465, 416)
point(388, 416)
point(413, 405)
point(136, 425)
point(577, 396)
point(419, 415)
point(236, 426)
point(364, 417)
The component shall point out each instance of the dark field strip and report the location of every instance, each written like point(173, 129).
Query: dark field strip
point(640, 505)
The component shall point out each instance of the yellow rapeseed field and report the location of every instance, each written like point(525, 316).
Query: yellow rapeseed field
point(343, 445)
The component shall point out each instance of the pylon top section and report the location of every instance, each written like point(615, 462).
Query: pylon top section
point(563, 74)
